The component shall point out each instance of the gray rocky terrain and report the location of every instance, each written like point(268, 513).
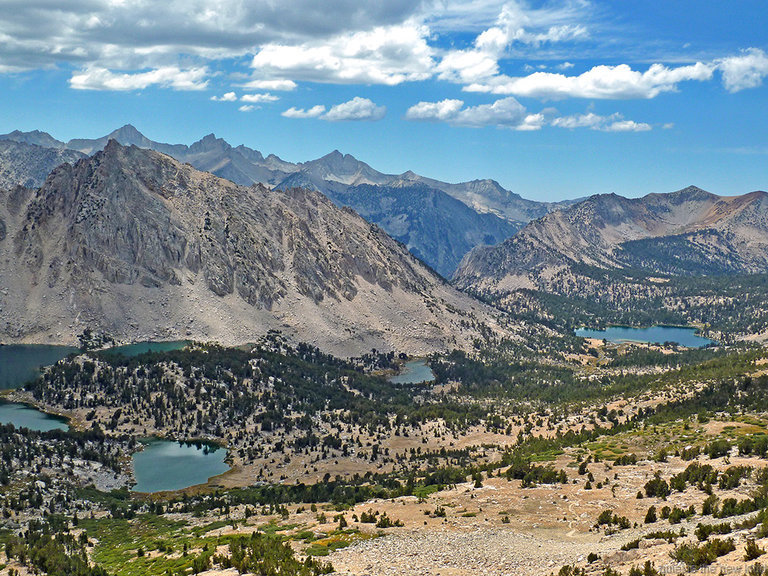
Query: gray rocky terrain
point(139, 245)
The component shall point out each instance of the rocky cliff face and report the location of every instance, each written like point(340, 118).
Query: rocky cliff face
point(688, 232)
point(137, 244)
point(23, 164)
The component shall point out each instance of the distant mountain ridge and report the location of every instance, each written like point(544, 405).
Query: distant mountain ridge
point(688, 232)
point(137, 244)
point(28, 164)
point(481, 195)
point(501, 212)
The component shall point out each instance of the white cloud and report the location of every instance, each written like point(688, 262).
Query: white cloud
point(601, 82)
point(121, 45)
point(143, 34)
point(314, 112)
point(612, 123)
point(441, 111)
point(257, 98)
point(744, 71)
point(167, 77)
point(589, 120)
point(383, 55)
point(246, 108)
point(507, 112)
point(515, 25)
point(356, 109)
point(228, 97)
point(627, 126)
point(281, 85)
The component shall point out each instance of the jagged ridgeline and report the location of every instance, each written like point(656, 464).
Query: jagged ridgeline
point(438, 222)
point(142, 246)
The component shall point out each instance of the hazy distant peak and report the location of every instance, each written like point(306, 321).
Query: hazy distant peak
point(209, 142)
point(35, 137)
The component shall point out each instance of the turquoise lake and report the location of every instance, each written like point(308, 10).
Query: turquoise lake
point(654, 335)
point(413, 372)
point(23, 416)
point(20, 363)
point(169, 465)
point(137, 348)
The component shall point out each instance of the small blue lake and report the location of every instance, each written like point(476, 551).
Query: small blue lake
point(413, 372)
point(654, 335)
point(23, 416)
point(169, 465)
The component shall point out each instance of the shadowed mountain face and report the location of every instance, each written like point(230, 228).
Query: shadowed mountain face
point(142, 246)
point(502, 212)
point(434, 226)
point(690, 232)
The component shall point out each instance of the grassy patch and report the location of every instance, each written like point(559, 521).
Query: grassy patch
point(145, 546)
point(548, 456)
point(339, 539)
point(424, 491)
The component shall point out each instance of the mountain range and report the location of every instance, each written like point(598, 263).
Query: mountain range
point(689, 232)
point(142, 246)
point(407, 206)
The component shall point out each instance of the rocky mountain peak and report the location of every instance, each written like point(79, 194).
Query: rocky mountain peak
point(133, 242)
point(208, 143)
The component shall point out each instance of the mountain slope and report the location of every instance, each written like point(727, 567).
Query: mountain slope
point(686, 232)
point(142, 246)
point(485, 196)
point(434, 226)
point(333, 175)
point(28, 164)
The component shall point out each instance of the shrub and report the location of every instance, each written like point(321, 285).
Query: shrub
point(657, 487)
point(696, 556)
point(703, 531)
point(752, 550)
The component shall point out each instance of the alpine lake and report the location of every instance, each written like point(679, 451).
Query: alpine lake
point(680, 335)
point(162, 464)
point(413, 372)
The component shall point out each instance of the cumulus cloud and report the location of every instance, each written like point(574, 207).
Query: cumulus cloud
point(281, 85)
point(356, 109)
point(515, 24)
point(627, 126)
point(257, 98)
point(314, 112)
point(383, 55)
point(443, 111)
point(228, 97)
point(168, 77)
point(246, 108)
point(141, 34)
point(509, 113)
point(506, 112)
point(120, 45)
point(612, 123)
point(746, 70)
point(603, 82)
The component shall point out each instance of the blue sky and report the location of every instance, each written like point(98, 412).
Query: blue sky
point(554, 100)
